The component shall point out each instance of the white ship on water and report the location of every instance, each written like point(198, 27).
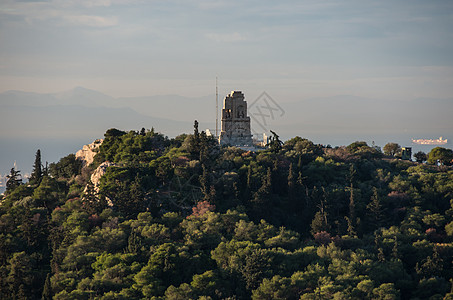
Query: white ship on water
point(439, 141)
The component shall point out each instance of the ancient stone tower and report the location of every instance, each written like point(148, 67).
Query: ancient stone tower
point(235, 127)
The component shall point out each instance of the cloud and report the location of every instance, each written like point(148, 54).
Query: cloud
point(92, 21)
point(226, 37)
point(80, 12)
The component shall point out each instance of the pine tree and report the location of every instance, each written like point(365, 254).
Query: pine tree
point(13, 181)
point(91, 202)
point(134, 243)
point(431, 266)
point(375, 209)
point(319, 224)
point(275, 144)
point(36, 174)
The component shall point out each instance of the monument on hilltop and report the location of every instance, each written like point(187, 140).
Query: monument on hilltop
point(235, 124)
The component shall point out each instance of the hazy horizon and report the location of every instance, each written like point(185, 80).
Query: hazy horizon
point(61, 123)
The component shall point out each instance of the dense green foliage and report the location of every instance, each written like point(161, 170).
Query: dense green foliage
point(184, 219)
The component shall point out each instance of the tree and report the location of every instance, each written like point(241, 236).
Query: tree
point(192, 142)
point(13, 181)
point(291, 183)
point(442, 155)
point(161, 270)
point(66, 168)
point(20, 277)
point(362, 150)
point(262, 198)
point(47, 291)
point(420, 156)
point(392, 149)
point(351, 219)
point(376, 212)
point(204, 183)
point(91, 202)
point(113, 132)
point(275, 288)
point(386, 291)
point(274, 143)
point(36, 174)
point(46, 194)
point(319, 222)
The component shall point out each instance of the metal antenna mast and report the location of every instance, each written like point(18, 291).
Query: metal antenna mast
point(216, 108)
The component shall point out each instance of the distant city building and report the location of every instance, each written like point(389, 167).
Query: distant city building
point(265, 140)
point(235, 123)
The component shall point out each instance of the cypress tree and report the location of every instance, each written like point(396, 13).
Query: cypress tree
point(204, 183)
point(248, 188)
point(36, 174)
point(291, 184)
point(375, 209)
point(249, 177)
point(194, 146)
point(262, 197)
point(351, 220)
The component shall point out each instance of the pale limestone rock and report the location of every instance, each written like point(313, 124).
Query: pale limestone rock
point(96, 177)
point(99, 172)
point(87, 153)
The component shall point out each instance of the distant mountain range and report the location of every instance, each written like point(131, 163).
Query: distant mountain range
point(81, 115)
point(82, 112)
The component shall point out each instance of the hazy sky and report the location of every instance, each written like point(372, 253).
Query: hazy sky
point(290, 49)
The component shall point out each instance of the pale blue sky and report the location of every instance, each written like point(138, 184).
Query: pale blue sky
point(290, 49)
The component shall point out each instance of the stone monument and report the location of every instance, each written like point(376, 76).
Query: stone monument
point(235, 124)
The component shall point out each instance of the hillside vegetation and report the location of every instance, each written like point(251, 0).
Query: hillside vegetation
point(184, 219)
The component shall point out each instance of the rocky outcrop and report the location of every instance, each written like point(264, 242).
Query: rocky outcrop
point(99, 172)
point(97, 175)
point(87, 153)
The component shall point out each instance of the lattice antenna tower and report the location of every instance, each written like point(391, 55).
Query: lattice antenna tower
point(216, 108)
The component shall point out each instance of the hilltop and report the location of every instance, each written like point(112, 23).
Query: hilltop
point(182, 218)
